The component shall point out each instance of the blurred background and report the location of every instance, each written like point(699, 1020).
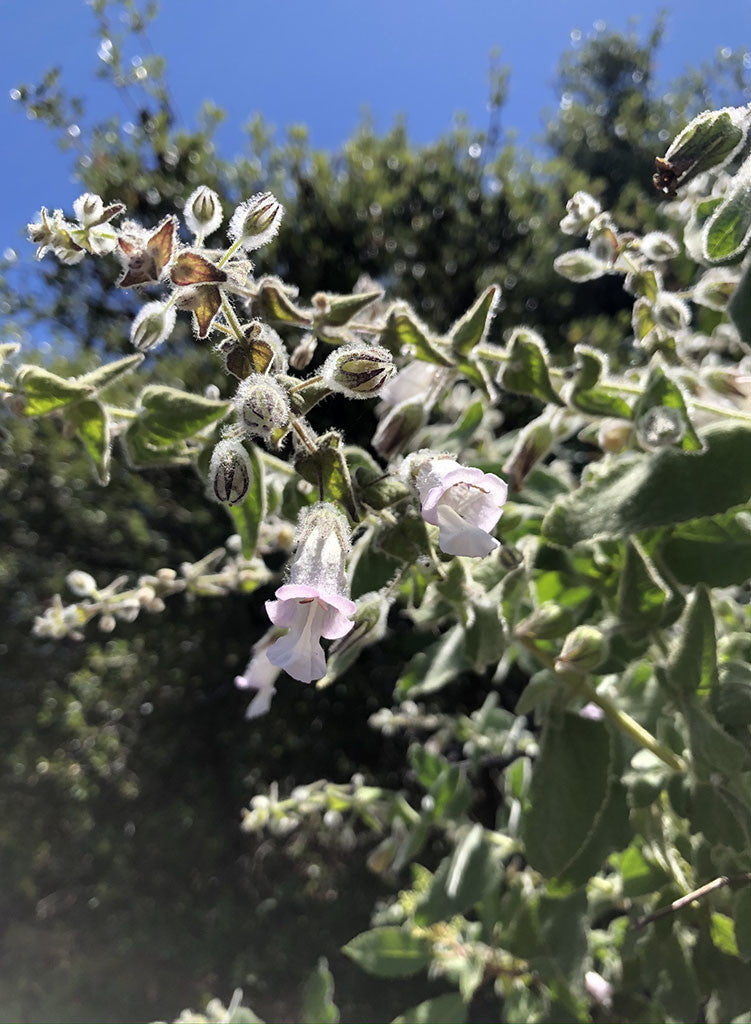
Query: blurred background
point(429, 145)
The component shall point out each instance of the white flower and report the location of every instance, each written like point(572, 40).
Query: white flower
point(581, 209)
point(314, 602)
point(464, 503)
point(260, 675)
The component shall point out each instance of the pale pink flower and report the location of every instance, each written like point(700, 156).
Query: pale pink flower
point(314, 602)
point(464, 503)
point(260, 675)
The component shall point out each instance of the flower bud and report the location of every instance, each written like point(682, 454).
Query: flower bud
point(729, 383)
point(89, 209)
point(152, 326)
point(303, 352)
point(230, 473)
point(358, 371)
point(398, 426)
point(670, 313)
point(256, 221)
point(81, 583)
point(660, 427)
point(262, 405)
point(581, 209)
point(584, 649)
point(107, 623)
point(715, 288)
point(613, 435)
point(532, 444)
point(203, 211)
point(710, 140)
point(579, 265)
point(548, 621)
point(658, 246)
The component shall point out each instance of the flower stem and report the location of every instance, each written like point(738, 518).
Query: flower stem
point(230, 252)
point(232, 319)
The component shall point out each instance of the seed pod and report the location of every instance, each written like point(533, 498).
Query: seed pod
point(398, 426)
point(358, 371)
point(230, 472)
point(203, 211)
point(584, 649)
point(256, 221)
point(152, 326)
point(262, 405)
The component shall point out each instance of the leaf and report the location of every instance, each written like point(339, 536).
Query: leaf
point(341, 308)
point(390, 952)
point(406, 540)
point(107, 374)
point(572, 791)
point(585, 392)
point(44, 391)
point(742, 919)
point(471, 329)
point(318, 1005)
point(403, 328)
point(249, 513)
point(739, 307)
point(327, 469)
point(92, 428)
point(579, 265)
point(715, 551)
point(526, 369)
point(727, 232)
point(275, 304)
point(662, 392)
point(437, 665)
point(485, 638)
point(638, 493)
point(204, 302)
point(731, 699)
point(141, 455)
point(460, 880)
point(642, 593)
point(722, 933)
point(710, 744)
point(168, 415)
point(693, 665)
point(469, 422)
point(191, 268)
point(446, 1009)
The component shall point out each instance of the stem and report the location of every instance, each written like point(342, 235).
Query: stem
point(232, 319)
point(303, 435)
point(230, 252)
point(691, 897)
point(305, 384)
point(276, 464)
point(124, 414)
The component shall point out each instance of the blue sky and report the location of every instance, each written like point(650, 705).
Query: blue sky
point(322, 63)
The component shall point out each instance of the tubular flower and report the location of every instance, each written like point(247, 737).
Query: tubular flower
point(313, 603)
point(464, 503)
point(260, 675)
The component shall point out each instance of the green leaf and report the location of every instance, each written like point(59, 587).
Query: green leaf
point(739, 307)
point(141, 455)
point(727, 232)
point(318, 997)
point(718, 816)
point(469, 422)
point(390, 952)
point(731, 700)
point(92, 427)
point(447, 1009)
point(403, 328)
point(711, 745)
point(573, 791)
point(460, 880)
point(44, 391)
point(637, 493)
point(436, 666)
point(249, 513)
point(168, 415)
point(472, 328)
point(639, 875)
point(105, 375)
point(693, 664)
point(587, 394)
point(662, 392)
point(715, 551)
point(343, 307)
point(642, 593)
point(327, 470)
point(275, 304)
point(405, 540)
point(526, 370)
point(742, 919)
point(722, 933)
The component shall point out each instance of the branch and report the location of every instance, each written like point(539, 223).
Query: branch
point(723, 882)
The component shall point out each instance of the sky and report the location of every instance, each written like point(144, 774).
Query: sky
point(322, 63)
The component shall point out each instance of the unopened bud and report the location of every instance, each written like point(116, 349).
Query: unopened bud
point(670, 313)
point(321, 302)
point(660, 427)
point(262, 405)
point(579, 265)
point(107, 623)
point(398, 426)
point(710, 140)
point(584, 649)
point(256, 221)
point(89, 209)
point(727, 382)
point(613, 435)
point(658, 246)
point(230, 472)
point(715, 288)
point(358, 371)
point(532, 444)
point(581, 209)
point(303, 352)
point(203, 211)
point(152, 326)
point(548, 621)
point(81, 583)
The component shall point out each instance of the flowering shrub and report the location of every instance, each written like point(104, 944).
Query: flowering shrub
point(601, 552)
